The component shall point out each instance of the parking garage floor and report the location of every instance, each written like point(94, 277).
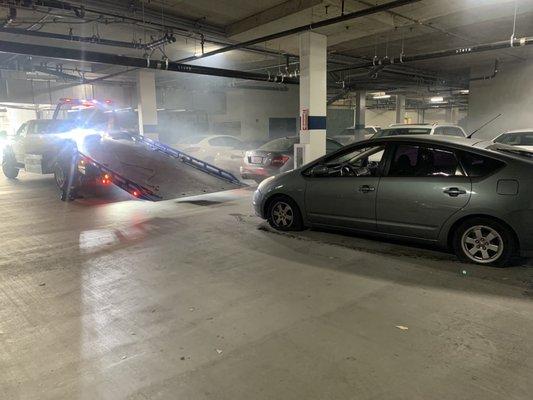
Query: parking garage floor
point(198, 299)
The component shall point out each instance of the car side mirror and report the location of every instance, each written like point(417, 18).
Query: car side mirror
point(320, 170)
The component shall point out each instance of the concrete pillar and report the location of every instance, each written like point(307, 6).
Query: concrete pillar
point(400, 109)
point(313, 90)
point(147, 103)
point(360, 110)
point(452, 115)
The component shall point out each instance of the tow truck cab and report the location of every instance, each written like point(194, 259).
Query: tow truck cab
point(41, 146)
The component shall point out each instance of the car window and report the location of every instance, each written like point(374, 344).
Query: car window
point(477, 166)
point(403, 131)
point(516, 139)
point(354, 163)
point(233, 142)
point(449, 131)
point(421, 161)
point(217, 141)
point(332, 145)
point(22, 130)
point(281, 144)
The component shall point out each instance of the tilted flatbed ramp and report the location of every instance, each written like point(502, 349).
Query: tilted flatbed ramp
point(153, 170)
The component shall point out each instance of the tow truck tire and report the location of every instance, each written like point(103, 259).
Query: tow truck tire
point(9, 166)
point(62, 176)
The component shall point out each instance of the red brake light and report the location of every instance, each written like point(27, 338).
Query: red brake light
point(279, 161)
point(108, 101)
point(135, 193)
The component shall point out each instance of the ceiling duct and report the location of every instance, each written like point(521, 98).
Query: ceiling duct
point(135, 62)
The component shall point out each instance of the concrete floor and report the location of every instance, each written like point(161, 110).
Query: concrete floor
point(109, 299)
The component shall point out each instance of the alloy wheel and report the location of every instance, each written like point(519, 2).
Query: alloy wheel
point(282, 214)
point(482, 244)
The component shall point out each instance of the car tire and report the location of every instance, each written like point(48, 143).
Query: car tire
point(61, 176)
point(485, 241)
point(283, 214)
point(9, 166)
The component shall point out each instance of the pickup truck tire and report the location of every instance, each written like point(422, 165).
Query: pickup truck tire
point(64, 176)
point(9, 166)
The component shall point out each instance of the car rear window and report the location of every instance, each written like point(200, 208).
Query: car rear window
point(281, 144)
point(477, 166)
point(332, 145)
point(403, 131)
point(516, 139)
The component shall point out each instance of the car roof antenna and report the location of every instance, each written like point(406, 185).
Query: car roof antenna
point(484, 125)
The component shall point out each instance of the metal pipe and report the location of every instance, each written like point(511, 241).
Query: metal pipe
point(113, 59)
point(73, 38)
point(504, 44)
point(316, 25)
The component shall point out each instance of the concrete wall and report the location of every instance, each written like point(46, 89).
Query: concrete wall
point(509, 93)
point(253, 108)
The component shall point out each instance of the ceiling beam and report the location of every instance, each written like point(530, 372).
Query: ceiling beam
point(289, 7)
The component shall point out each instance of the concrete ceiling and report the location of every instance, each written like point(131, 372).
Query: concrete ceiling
point(425, 26)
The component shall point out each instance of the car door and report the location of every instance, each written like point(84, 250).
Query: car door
point(19, 142)
point(423, 187)
point(344, 193)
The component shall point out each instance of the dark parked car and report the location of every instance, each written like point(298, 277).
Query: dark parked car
point(275, 157)
point(470, 196)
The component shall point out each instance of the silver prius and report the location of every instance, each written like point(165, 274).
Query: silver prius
point(463, 194)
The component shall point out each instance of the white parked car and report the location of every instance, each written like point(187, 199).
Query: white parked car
point(224, 151)
point(422, 129)
point(522, 138)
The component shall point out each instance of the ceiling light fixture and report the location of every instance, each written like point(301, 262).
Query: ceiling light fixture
point(382, 95)
point(437, 99)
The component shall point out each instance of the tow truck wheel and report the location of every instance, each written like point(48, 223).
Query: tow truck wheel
point(9, 166)
point(62, 176)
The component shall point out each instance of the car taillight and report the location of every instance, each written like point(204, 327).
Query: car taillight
point(279, 161)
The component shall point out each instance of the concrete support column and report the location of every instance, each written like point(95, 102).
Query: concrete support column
point(360, 110)
point(147, 103)
point(400, 109)
point(313, 90)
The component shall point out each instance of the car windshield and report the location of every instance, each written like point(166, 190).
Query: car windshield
point(403, 131)
point(516, 139)
point(281, 144)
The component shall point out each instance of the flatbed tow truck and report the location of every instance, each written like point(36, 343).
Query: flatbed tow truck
point(88, 144)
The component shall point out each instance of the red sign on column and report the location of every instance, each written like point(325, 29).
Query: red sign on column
point(304, 119)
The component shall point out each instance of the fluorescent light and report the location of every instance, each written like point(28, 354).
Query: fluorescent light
point(437, 99)
point(464, 91)
point(381, 96)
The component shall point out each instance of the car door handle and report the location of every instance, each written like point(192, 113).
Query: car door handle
point(367, 189)
point(454, 192)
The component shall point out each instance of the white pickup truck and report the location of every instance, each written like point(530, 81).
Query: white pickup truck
point(35, 147)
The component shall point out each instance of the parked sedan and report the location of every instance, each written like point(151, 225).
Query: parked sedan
point(207, 147)
point(470, 196)
point(422, 129)
point(275, 157)
point(522, 139)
